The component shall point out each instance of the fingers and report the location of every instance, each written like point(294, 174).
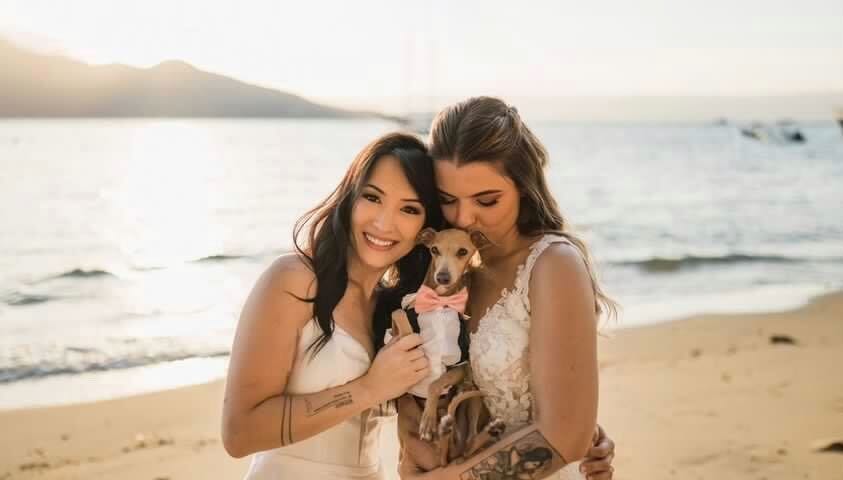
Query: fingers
point(416, 354)
point(598, 464)
point(601, 451)
point(604, 475)
point(604, 447)
point(592, 467)
point(420, 363)
point(410, 341)
point(601, 434)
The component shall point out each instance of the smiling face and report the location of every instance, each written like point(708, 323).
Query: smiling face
point(386, 217)
point(478, 196)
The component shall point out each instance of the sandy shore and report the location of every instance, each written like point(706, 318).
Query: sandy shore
point(706, 397)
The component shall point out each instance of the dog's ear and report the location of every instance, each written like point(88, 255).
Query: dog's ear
point(479, 240)
point(426, 237)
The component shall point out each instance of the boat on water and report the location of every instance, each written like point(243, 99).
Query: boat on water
point(783, 132)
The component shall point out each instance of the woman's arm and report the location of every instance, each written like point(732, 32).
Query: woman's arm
point(257, 415)
point(563, 381)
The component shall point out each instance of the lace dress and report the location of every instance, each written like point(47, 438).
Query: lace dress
point(499, 353)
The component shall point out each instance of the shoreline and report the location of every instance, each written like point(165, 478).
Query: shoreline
point(710, 396)
point(114, 384)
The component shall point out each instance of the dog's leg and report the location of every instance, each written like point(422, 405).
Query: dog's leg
point(449, 423)
point(428, 424)
point(469, 414)
point(421, 453)
point(400, 324)
point(491, 433)
point(446, 430)
point(474, 411)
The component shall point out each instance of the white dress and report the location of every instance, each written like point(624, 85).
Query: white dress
point(499, 353)
point(348, 450)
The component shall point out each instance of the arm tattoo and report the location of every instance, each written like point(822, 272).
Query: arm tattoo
point(286, 420)
point(339, 400)
point(525, 459)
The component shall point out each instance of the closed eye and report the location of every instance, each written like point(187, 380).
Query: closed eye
point(487, 203)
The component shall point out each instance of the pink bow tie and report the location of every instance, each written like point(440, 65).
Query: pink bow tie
point(428, 300)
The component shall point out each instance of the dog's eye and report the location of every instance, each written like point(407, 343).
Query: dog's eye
point(434, 251)
point(462, 252)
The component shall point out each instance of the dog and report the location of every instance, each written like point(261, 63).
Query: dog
point(442, 418)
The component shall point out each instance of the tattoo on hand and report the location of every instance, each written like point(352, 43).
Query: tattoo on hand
point(526, 458)
point(339, 400)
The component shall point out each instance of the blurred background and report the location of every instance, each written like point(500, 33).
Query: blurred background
point(155, 155)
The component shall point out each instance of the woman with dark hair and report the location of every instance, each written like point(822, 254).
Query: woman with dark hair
point(309, 380)
point(535, 302)
point(305, 385)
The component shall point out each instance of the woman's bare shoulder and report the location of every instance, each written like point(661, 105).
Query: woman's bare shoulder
point(293, 272)
point(284, 288)
point(562, 264)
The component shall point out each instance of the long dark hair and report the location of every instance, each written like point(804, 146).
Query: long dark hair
point(485, 129)
point(328, 226)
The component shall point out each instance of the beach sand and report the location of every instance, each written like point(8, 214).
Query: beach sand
point(708, 397)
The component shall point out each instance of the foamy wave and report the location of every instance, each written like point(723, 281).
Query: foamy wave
point(666, 265)
point(220, 258)
point(20, 299)
point(37, 361)
point(81, 273)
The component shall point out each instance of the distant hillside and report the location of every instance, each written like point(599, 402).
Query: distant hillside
point(36, 85)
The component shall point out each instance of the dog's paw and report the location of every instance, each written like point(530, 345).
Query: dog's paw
point(427, 426)
point(446, 425)
point(496, 427)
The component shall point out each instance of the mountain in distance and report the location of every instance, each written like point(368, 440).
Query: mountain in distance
point(39, 85)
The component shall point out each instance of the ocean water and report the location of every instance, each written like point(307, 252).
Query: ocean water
point(127, 247)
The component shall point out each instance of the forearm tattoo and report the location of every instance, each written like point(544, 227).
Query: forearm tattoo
point(340, 399)
point(527, 458)
point(286, 420)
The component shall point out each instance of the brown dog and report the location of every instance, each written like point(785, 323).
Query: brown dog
point(443, 419)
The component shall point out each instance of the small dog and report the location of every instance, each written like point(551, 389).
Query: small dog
point(453, 423)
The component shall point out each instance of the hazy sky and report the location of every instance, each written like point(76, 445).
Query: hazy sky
point(359, 53)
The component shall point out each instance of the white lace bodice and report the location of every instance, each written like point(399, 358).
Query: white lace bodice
point(499, 351)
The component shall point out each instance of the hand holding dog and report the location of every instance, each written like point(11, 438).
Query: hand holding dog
point(397, 366)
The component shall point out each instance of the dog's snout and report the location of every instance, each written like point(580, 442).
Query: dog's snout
point(443, 277)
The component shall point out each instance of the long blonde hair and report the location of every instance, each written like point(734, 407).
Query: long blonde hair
point(485, 129)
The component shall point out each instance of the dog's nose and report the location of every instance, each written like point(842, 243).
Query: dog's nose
point(443, 277)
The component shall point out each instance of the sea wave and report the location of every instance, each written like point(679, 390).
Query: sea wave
point(220, 258)
point(667, 265)
point(46, 360)
point(82, 273)
point(20, 299)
